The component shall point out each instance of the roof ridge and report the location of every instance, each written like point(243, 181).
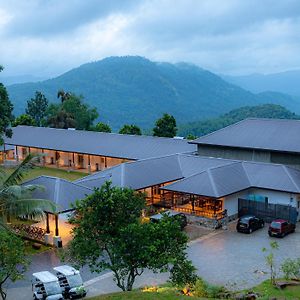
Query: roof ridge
point(104, 133)
point(291, 178)
point(213, 184)
point(246, 173)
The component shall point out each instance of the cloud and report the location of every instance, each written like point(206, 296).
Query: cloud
point(43, 18)
point(48, 37)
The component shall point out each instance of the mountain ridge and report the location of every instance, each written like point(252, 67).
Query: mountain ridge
point(133, 89)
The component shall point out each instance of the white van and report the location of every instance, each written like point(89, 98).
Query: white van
point(70, 281)
point(45, 286)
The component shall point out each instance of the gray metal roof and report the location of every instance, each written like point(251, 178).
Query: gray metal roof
point(60, 191)
point(267, 134)
point(98, 143)
point(148, 172)
point(228, 179)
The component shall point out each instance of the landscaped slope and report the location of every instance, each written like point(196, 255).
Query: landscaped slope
point(136, 90)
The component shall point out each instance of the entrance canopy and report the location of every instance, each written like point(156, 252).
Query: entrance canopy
point(61, 192)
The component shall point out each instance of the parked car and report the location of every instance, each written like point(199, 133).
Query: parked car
point(173, 214)
point(70, 281)
point(281, 228)
point(249, 223)
point(45, 286)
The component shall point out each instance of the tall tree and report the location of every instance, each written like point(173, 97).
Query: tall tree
point(102, 127)
point(13, 261)
point(165, 126)
point(6, 116)
point(37, 107)
point(71, 111)
point(119, 241)
point(130, 129)
point(24, 120)
point(58, 118)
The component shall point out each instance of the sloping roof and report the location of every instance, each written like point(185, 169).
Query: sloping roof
point(265, 134)
point(60, 191)
point(228, 179)
point(148, 172)
point(98, 143)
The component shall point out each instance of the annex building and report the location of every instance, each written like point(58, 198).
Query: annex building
point(264, 140)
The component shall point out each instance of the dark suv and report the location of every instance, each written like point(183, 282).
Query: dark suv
point(249, 223)
point(173, 214)
point(281, 228)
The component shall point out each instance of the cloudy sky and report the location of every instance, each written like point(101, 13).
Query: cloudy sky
point(48, 37)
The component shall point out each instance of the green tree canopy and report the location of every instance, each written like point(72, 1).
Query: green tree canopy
point(110, 235)
point(6, 109)
point(130, 129)
point(71, 112)
point(24, 120)
point(37, 107)
point(165, 126)
point(102, 127)
point(13, 262)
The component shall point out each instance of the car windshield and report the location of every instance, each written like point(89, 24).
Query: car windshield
point(52, 288)
point(244, 221)
point(276, 225)
point(74, 280)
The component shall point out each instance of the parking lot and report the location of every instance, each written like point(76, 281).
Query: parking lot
point(236, 259)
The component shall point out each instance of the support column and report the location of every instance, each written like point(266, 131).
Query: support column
point(47, 223)
point(89, 164)
point(43, 157)
point(17, 154)
point(192, 199)
point(105, 162)
point(57, 239)
point(73, 160)
point(56, 225)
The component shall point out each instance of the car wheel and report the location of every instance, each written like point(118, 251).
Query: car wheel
point(250, 230)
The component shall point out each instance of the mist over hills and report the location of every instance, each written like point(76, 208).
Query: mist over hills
point(133, 89)
point(284, 82)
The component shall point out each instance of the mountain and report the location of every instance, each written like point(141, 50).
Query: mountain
point(284, 82)
point(136, 90)
point(270, 111)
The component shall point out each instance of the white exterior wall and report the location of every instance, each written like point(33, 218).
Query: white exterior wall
point(275, 197)
point(231, 202)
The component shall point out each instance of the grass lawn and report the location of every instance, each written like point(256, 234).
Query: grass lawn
point(163, 293)
point(38, 171)
point(30, 251)
point(268, 291)
point(265, 289)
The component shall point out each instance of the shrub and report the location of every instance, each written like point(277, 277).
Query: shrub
point(202, 289)
point(291, 268)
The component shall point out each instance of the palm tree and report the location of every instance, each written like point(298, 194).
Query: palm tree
point(15, 199)
point(63, 95)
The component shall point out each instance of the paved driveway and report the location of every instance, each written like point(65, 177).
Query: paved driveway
point(232, 258)
point(223, 257)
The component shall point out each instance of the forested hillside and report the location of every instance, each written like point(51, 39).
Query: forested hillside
point(262, 111)
point(136, 90)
